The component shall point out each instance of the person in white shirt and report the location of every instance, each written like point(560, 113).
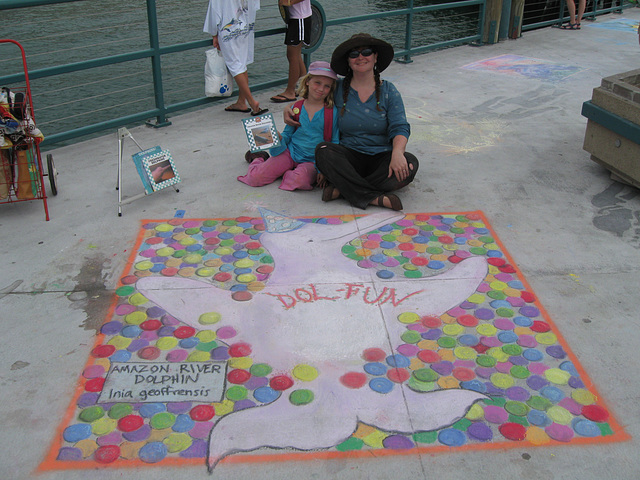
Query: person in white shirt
point(232, 24)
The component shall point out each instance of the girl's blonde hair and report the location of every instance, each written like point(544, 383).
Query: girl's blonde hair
point(303, 89)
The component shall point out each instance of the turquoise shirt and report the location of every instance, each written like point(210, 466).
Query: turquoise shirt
point(302, 141)
point(365, 129)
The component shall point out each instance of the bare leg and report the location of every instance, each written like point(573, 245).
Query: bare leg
point(297, 69)
point(571, 6)
point(244, 96)
point(582, 5)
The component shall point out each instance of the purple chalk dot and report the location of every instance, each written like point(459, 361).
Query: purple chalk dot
point(69, 453)
point(575, 382)
point(198, 449)
point(495, 414)
point(556, 351)
point(517, 393)
point(220, 353)
point(178, 407)
point(111, 328)
point(529, 311)
point(484, 314)
point(397, 442)
point(201, 430)
point(443, 368)
point(138, 435)
point(536, 382)
point(480, 431)
point(87, 399)
point(155, 312)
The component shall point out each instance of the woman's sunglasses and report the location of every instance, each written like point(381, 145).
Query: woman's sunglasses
point(365, 52)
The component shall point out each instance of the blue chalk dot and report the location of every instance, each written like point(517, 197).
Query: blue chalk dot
point(385, 274)
point(508, 337)
point(153, 452)
point(131, 331)
point(475, 385)
point(375, 368)
point(121, 356)
point(265, 394)
point(500, 304)
point(381, 385)
point(435, 265)
point(189, 342)
point(532, 355)
point(494, 254)
point(517, 284)
point(523, 321)
point(77, 432)
point(568, 367)
point(183, 423)
point(398, 361)
point(538, 418)
point(552, 393)
point(148, 410)
point(586, 428)
point(379, 258)
point(452, 437)
point(468, 340)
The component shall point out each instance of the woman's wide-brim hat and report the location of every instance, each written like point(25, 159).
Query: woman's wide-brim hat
point(340, 62)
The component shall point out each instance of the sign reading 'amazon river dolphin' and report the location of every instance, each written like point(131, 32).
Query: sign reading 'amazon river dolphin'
point(164, 382)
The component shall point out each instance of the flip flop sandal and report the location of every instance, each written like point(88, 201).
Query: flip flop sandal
point(250, 157)
point(282, 99)
point(262, 111)
point(569, 26)
point(237, 110)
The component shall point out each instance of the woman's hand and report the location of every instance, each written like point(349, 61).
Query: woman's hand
point(216, 44)
point(399, 165)
point(288, 118)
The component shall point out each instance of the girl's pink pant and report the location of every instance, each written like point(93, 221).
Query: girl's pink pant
point(300, 176)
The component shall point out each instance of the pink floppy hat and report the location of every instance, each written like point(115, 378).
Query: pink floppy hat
point(322, 68)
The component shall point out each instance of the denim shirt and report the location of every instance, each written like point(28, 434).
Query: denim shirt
point(365, 129)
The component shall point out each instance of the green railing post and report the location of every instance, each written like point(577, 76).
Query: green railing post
point(156, 65)
point(408, 33)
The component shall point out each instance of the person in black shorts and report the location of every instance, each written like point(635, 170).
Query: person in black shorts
point(298, 34)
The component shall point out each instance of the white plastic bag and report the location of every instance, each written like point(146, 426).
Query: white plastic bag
point(218, 81)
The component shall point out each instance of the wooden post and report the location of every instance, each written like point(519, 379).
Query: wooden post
point(517, 10)
point(492, 21)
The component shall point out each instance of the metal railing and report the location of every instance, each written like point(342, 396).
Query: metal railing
point(73, 80)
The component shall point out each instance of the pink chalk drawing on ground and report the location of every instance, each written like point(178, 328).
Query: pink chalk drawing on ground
point(296, 336)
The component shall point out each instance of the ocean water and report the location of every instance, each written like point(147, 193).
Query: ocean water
point(73, 32)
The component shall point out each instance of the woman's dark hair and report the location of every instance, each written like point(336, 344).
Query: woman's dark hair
point(346, 83)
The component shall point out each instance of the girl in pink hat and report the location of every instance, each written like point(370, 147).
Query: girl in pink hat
point(294, 159)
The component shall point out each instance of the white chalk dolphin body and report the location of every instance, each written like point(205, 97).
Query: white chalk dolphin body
point(320, 309)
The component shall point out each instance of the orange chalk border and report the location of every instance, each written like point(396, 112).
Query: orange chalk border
point(50, 462)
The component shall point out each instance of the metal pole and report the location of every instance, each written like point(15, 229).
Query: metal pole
point(156, 65)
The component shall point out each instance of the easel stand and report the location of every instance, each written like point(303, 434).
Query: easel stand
point(122, 134)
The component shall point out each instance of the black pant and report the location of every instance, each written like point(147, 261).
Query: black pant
point(360, 177)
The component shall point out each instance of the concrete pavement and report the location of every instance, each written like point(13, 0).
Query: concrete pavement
point(506, 141)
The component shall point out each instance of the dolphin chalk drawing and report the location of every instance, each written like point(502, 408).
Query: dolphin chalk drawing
point(319, 312)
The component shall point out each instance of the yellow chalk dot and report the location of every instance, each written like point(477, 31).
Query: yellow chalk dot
point(363, 431)
point(486, 329)
point(375, 439)
point(446, 318)
point(144, 265)
point(511, 292)
point(408, 317)
point(557, 376)
point(499, 354)
point(246, 278)
point(167, 343)
point(235, 230)
point(476, 298)
point(498, 285)
point(363, 252)
point(177, 442)
point(120, 342)
point(206, 336)
point(213, 262)
point(475, 412)
point(453, 329)
point(164, 227)
point(173, 262)
point(192, 258)
point(205, 272)
point(223, 251)
point(135, 318)
point(583, 396)
point(306, 373)
point(198, 356)
point(428, 344)
point(159, 435)
point(446, 354)
point(416, 363)
point(502, 380)
point(240, 362)
point(223, 408)
point(546, 338)
point(244, 263)
point(209, 318)
point(188, 241)
point(465, 353)
point(103, 426)
point(559, 415)
point(165, 251)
